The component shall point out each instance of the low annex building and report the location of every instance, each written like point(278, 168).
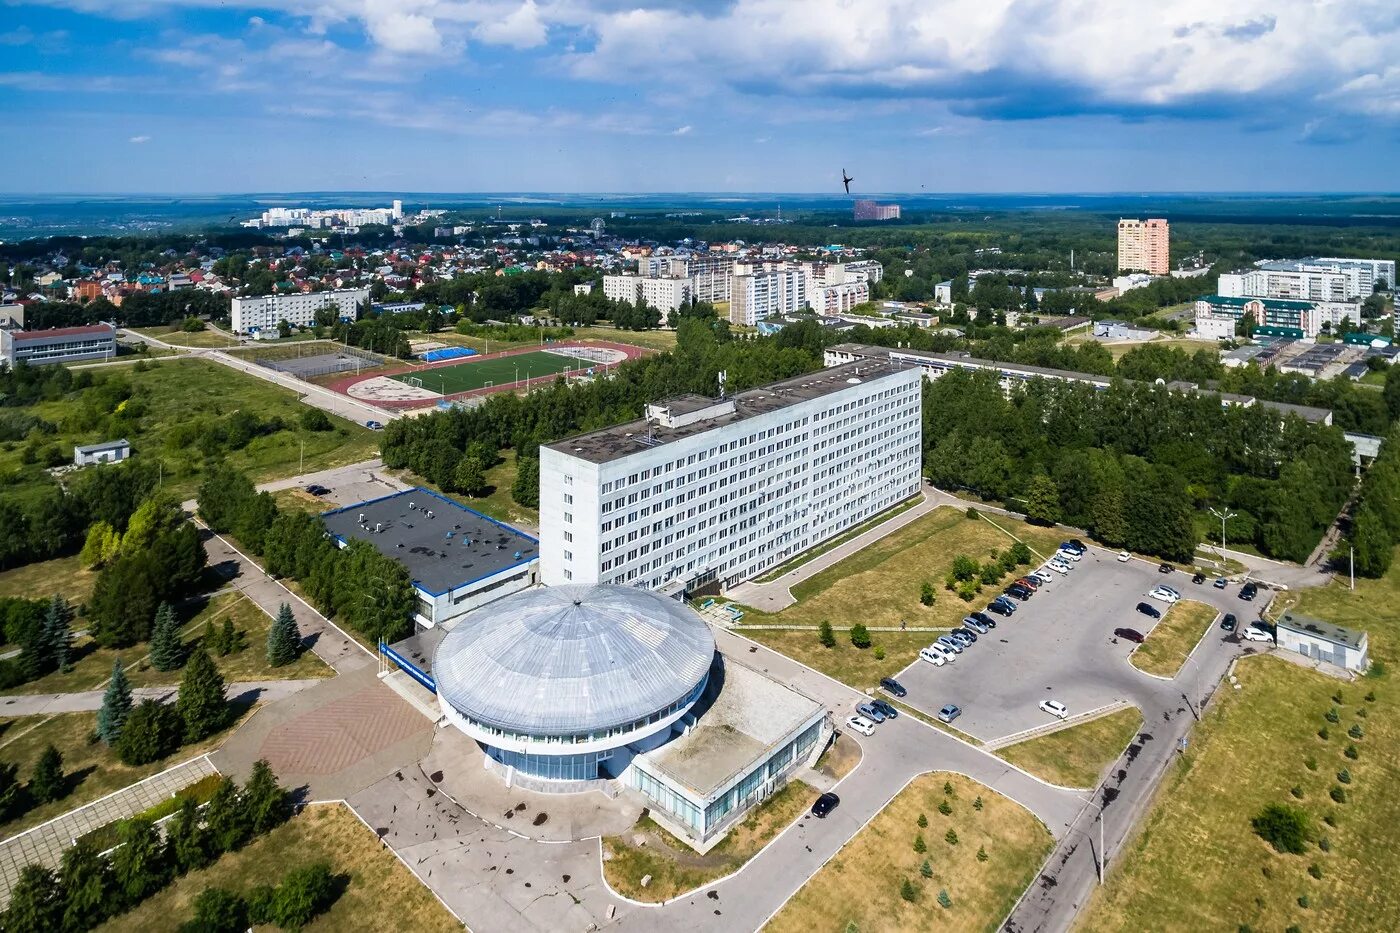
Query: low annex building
point(457, 558)
point(106, 452)
point(1323, 641)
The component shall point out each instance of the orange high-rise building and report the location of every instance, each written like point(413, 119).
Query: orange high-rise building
point(1143, 246)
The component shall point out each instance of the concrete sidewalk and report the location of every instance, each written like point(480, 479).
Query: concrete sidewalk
point(48, 704)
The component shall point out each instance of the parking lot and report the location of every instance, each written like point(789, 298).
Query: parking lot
point(1060, 646)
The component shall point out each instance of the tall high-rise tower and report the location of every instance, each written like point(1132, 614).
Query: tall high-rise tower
point(1143, 246)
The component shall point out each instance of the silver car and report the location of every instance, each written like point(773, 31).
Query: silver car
point(948, 642)
point(975, 625)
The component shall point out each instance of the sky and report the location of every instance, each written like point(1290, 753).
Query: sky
point(228, 96)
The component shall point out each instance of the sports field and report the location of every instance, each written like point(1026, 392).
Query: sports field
point(498, 371)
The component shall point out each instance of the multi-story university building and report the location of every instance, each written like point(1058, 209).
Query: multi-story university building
point(707, 490)
point(1315, 279)
point(59, 345)
point(760, 291)
point(251, 315)
point(1144, 246)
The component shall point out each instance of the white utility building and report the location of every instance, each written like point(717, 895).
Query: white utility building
point(718, 490)
point(1323, 641)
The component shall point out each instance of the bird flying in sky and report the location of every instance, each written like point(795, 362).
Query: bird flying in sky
point(846, 180)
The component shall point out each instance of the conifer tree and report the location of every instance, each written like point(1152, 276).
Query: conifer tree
point(283, 639)
point(167, 652)
point(116, 705)
point(201, 704)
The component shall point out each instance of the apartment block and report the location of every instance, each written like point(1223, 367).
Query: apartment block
point(874, 210)
point(1144, 246)
point(714, 491)
point(665, 294)
point(1314, 279)
point(252, 315)
point(763, 291)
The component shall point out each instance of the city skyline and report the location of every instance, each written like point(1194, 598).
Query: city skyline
point(750, 96)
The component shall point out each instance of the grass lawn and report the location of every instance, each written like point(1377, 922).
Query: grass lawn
point(860, 887)
point(181, 390)
point(651, 339)
point(299, 500)
point(815, 552)
point(94, 664)
point(381, 894)
point(93, 770)
point(201, 339)
point(39, 581)
point(675, 868)
point(476, 373)
point(1375, 377)
point(840, 757)
point(1173, 639)
point(879, 586)
point(1198, 865)
point(497, 502)
point(1075, 757)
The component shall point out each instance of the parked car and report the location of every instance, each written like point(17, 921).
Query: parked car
point(968, 639)
point(1019, 591)
point(1071, 556)
point(893, 687)
point(949, 713)
point(1219, 583)
point(948, 643)
point(1165, 568)
point(1041, 576)
point(316, 489)
point(1054, 708)
point(825, 804)
point(1075, 545)
point(936, 658)
point(1249, 591)
point(1057, 565)
point(888, 711)
point(1255, 633)
point(976, 626)
point(861, 724)
point(1150, 610)
point(1228, 622)
point(1164, 594)
point(869, 711)
point(1028, 582)
point(1006, 601)
point(948, 653)
point(1128, 634)
point(999, 609)
point(985, 619)
point(374, 425)
point(1124, 557)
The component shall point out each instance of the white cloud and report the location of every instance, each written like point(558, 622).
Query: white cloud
point(522, 29)
point(139, 139)
point(682, 130)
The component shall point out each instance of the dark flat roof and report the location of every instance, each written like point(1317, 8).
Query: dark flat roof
point(455, 547)
point(85, 330)
point(625, 439)
point(1324, 630)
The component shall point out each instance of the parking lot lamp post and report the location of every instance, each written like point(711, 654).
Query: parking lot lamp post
point(1223, 516)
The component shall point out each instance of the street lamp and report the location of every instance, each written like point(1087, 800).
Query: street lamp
point(1223, 516)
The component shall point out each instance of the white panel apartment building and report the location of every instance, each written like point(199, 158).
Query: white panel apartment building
point(759, 292)
point(705, 490)
point(251, 315)
point(1317, 279)
point(665, 294)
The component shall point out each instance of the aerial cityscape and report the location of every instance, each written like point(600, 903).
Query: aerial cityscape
point(558, 465)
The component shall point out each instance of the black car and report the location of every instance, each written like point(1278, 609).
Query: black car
point(1198, 578)
point(1128, 634)
point(1249, 591)
point(1149, 610)
point(1019, 591)
point(824, 805)
point(999, 609)
point(1228, 623)
point(984, 619)
point(893, 687)
point(1165, 568)
point(317, 490)
point(966, 633)
point(1077, 545)
point(889, 711)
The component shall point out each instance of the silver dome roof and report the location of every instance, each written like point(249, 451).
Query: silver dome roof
point(564, 660)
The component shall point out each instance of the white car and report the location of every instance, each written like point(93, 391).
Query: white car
point(1124, 557)
point(949, 654)
point(933, 657)
point(861, 725)
point(1253, 633)
point(1041, 576)
point(1054, 708)
point(1164, 594)
point(1066, 554)
point(1058, 565)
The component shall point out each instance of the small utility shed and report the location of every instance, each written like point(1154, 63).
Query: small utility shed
point(108, 452)
point(1323, 641)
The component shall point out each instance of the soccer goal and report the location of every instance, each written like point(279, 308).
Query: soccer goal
point(414, 381)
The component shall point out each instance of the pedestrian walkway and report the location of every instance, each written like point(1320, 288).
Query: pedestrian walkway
point(49, 704)
point(44, 844)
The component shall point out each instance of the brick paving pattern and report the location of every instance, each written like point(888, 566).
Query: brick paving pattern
point(341, 733)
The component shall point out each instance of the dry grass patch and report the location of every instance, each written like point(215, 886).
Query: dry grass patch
point(840, 757)
point(676, 869)
point(381, 895)
point(1075, 757)
point(1172, 640)
point(64, 575)
point(860, 887)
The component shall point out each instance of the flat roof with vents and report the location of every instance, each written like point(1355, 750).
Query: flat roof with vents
point(444, 544)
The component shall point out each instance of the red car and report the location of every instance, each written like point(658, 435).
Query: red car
point(1128, 634)
point(1029, 583)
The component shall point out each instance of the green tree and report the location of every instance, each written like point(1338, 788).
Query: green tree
point(36, 904)
point(264, 802)
point(139, 866)
point(526, 488)
point(186, 843)
point(217, 910)
point(48, 783)
point(314, 419)
point(58, 633)
point(116, 705)
point(860, 635)
point(1371, 541)
point(124, 602)
point(202, 706)
point(926, 593)
point(167, 649)
point(303, 893)
point(470, 478)
point(1284, 827)
point(372, 593)
point(225, 818)
point(151, 732)
point(222, 496)
point(826, 635)
point(86, 883)
point(102, 545)
point(919, 845)
point(283, 638)
point(908, 892)
point(926, 869)
point(1042, 500)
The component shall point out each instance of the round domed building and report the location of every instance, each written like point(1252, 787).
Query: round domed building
point(568, 683)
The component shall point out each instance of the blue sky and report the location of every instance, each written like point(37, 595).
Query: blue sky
point(662, 95)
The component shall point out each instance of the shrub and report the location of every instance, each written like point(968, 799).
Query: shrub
point(1296, 791)
point(908, 891)
point(919, 845)
point(926, 593)
point(977, 804)
point(926, 869)
point(951, 837)
point(1304, 902)
point(879, 652)
point(860, 636)
point(1351, 752)
point(945, 807)
point(1356, 731)
point(923, 821)
point(314, 419)
point(971, 512)
point(825, 635)
point(982, 855)
point(1282, 826)
point(1337, 698)
point(944, 900)
point(1310, 763)
point(948, 789)
point(217, 911)
point(1324, 844)
point(1330, 820)
point(1323, 734)
point(1332, 716)
point(1315, 870)
point(1361, 713)
point(1344, 776)
point(303, 893)
point(1338, 794)
point(1370, 697)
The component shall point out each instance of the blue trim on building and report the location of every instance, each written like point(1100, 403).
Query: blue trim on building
point(408, 667)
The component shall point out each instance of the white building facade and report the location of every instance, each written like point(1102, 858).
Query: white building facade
point(720, 490)
point(251, 315)
point(758, 292)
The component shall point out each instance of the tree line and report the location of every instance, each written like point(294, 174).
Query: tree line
point(140, 309)
point(1375, 520)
